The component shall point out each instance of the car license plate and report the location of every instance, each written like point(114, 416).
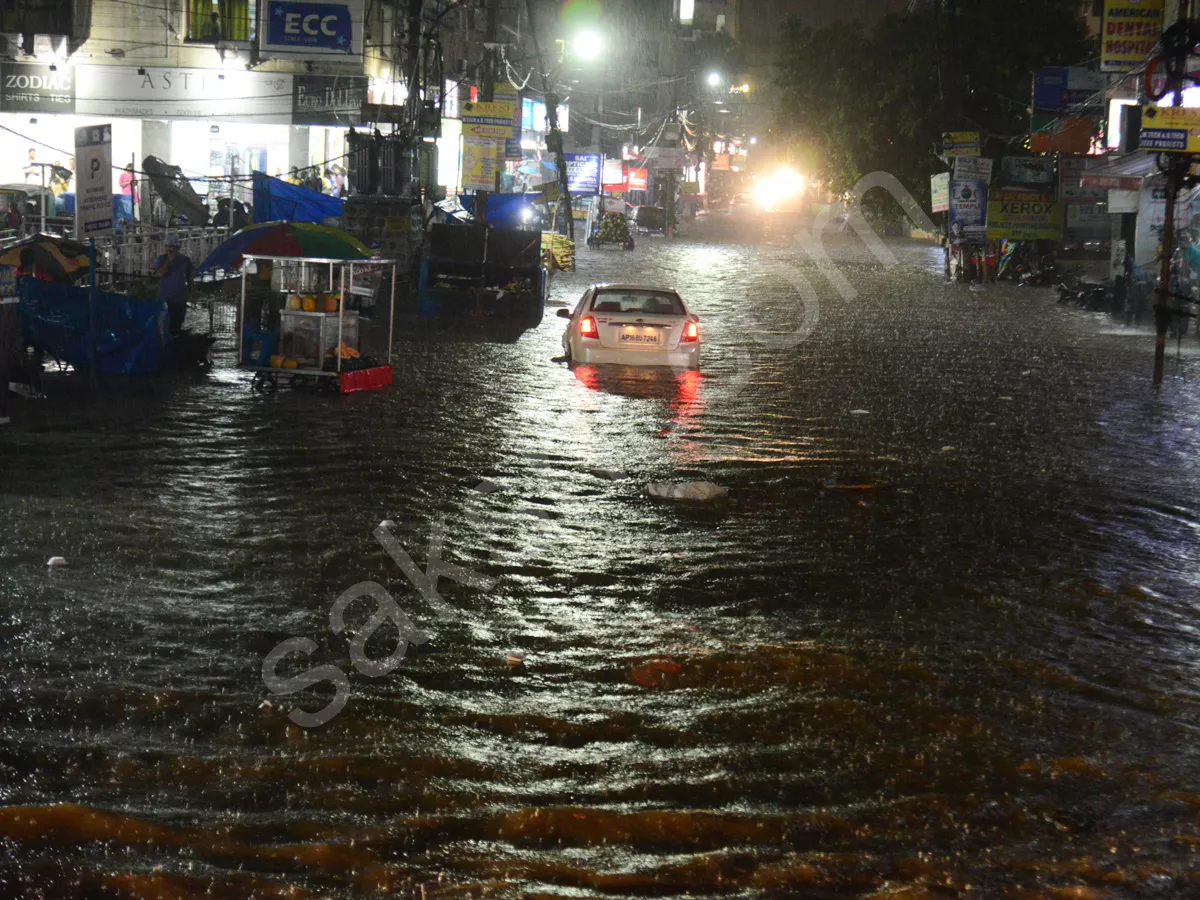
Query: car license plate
point(635, 337)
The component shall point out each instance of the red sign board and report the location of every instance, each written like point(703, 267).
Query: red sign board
point(635, 180)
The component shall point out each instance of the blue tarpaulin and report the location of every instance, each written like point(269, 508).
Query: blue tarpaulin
point(130, 335)
point(275, 200)
point(502, 208)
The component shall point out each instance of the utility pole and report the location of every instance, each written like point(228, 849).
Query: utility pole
point(487, 94)
point(1177, 44)
point(554, 140)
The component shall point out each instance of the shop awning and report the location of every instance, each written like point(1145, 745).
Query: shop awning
point(1119, 173)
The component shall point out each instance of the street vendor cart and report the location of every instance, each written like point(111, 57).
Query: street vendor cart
point(301, 321)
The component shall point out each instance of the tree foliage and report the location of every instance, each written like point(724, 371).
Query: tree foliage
point(856, 100)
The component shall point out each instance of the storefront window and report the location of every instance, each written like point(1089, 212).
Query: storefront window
point(210, 21)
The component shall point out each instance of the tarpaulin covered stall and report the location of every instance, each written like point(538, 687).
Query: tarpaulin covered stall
point(275, 200)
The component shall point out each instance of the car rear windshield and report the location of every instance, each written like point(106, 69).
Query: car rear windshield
point(655, 303)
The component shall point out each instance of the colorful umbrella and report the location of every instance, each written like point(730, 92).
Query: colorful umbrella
point(61, 258)
point(283, 240)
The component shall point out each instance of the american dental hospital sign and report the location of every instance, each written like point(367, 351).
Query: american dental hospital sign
point(1024, 216)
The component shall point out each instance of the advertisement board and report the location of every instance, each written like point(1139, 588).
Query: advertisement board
point(93, 179)
point(328, 99)
point(1129, 33)
point(233, 95)
point(33, 87)
point(939, 191)
point(973, 168)
point(1070, 174)
point(1024, 216)
point(583, 173)
point(1175, 129)
point(968, 211)
point(1027, 171)
point(301, 28)
point(494, 120)
point(1059, 88)
point(1152, 217)
point(960, 143)
point(478, 163)
point(508, 93)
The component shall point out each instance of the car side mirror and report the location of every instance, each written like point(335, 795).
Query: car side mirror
point(564, 314)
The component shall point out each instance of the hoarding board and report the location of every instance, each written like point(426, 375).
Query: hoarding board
point(1129, 33)
point(1070, 174)
point(973, 168)
point(968, 211)
point(93, 180)
point(939, 190)
point(1058, 88)
point(1175, 129)
point(960, 143)
point(33, 87)
point(583, 173)
point(1024, 216)
point(478, 163)
point(300, 28)
point(497, 116)
point(1027, 171)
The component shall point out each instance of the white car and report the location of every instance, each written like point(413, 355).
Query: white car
point(632, 325)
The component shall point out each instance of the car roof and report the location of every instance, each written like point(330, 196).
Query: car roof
point(633, 287)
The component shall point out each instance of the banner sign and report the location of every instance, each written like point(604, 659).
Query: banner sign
point(303, 28)
point(1069, 134)
point(1058, 88)
point(497, 117)
point(583, 173)
point(614, 172)
point(30, 87)
point(508, 93)
point(233, 95)
point(667, 157)
point(961, 143)
point(1028, 171)
point(328, 99)
point(1171, 128)
point(93, 179)
point(939, 190)
point(1024, 216)
point(968, 211)
point(1130, 33)
point(973, 168)
point(478, 163)
point(1152, 217)
point(1070, 176)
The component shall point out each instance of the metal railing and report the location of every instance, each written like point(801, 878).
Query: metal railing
point(132, 254)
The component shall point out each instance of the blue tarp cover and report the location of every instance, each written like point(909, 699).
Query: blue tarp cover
point(131, 335)
point(502, 208)
point(275, 200)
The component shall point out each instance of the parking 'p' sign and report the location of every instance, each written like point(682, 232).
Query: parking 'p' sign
point(93, 191)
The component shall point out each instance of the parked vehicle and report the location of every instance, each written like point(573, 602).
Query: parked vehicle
point(632, 325)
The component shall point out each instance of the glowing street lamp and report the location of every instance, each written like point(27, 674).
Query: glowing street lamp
point(588, 46)
point(714, 78)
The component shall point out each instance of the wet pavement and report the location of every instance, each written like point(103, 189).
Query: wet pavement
point(941, 639)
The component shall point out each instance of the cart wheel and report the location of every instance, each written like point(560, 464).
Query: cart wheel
point(628, 245)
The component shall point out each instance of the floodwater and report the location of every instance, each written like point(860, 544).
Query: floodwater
point(941, 639)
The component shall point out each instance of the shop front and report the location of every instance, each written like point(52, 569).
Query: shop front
point(219, 126)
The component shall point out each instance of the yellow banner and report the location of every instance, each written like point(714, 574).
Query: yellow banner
point(1024, 216)
point(960, 143)
point(1130, 32)
point(478, 164)
point(1172, 128)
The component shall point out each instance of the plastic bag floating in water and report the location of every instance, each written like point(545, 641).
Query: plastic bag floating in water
point(687, 491)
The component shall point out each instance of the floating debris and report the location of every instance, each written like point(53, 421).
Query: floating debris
point(515, 658)
point(860, 412)
point(690, 491)
point(386, 523)
point(55, 562)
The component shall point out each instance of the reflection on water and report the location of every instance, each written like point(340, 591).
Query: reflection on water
point(943, 645)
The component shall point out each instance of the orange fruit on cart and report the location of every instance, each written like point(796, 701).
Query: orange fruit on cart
point(309, 304)
point(331, 303)
point(276, 362)
point(290, 364)
point(294, 301)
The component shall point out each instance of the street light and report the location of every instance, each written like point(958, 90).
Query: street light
point(714, 78)
point(588, 45)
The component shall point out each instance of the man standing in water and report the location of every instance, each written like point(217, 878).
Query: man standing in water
point(175, 285)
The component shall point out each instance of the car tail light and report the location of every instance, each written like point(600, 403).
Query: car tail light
point(587, 327)
point(691, 332)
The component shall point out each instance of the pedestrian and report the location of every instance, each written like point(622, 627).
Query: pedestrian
point(329, 184)
point(32, 173)
point(174, 271)
point(12, 218)
point(128, 184)
point(294, 178)
point(59, 178)
point(313, 182)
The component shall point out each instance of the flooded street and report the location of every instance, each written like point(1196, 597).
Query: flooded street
point(942, 638)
